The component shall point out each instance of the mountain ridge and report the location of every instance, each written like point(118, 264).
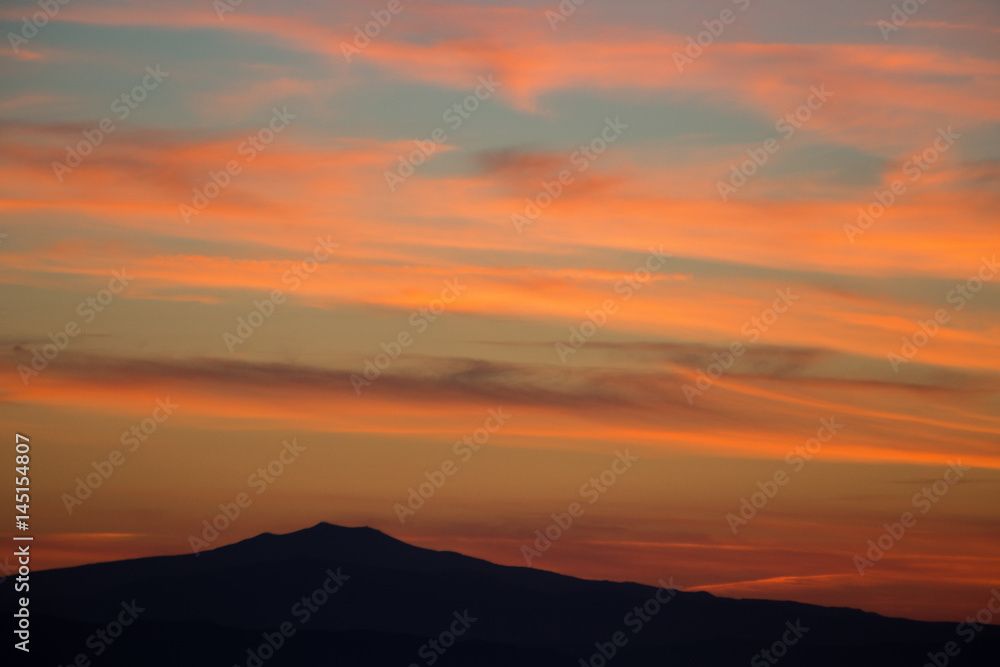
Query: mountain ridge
point(398, 595)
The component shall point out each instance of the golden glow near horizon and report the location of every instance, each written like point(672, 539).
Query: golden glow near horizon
point(266, 266)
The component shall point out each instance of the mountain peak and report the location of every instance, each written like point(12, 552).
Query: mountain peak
point(397, 594)
point(327, 527)
point(322, 540)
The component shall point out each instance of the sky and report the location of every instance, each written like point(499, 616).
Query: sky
point(701, 290)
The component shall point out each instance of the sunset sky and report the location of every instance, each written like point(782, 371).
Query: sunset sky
point(624, 234)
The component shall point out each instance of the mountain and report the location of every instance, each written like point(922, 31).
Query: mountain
point(330, 595)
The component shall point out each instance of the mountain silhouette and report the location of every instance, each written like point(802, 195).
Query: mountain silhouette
point(331, 595)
